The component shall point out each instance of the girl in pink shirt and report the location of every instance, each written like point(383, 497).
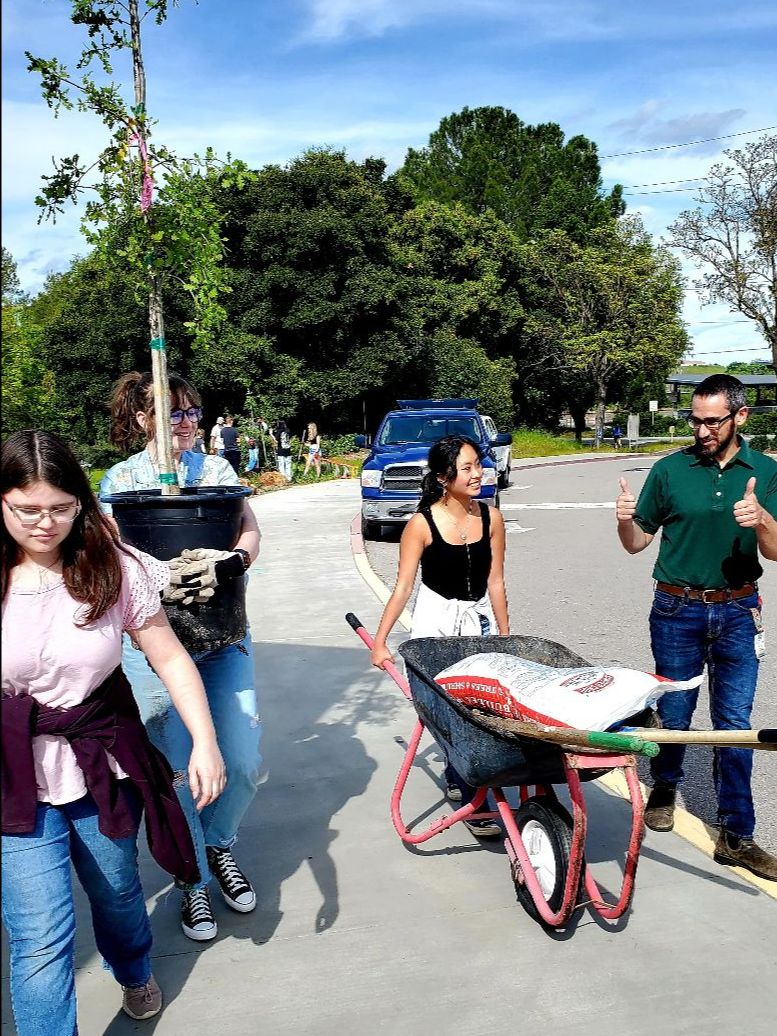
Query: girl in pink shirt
point(69, 592)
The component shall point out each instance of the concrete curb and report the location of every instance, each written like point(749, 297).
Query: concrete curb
point(687, 826)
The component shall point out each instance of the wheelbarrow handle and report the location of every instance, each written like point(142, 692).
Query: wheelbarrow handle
point(389, 667)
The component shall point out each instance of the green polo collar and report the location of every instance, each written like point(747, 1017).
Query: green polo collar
point(744, 455)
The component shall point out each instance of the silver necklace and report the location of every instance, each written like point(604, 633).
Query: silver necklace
point(463, 533)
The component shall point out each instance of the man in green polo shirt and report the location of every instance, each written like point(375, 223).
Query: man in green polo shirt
point(716, 505)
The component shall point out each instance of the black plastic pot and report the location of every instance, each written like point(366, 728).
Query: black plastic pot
point(164, 526)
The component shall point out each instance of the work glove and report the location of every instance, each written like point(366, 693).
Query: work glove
point(180, 589)
point(193, 577)
point(205, 569)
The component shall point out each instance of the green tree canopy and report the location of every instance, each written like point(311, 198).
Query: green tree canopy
point(604, 310)
point(29, 398)
point(314, 286)
point(529, 176)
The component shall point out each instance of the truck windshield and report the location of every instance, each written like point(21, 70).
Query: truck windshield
point(427, 429)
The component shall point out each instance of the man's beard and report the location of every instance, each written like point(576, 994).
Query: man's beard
point(713, 448)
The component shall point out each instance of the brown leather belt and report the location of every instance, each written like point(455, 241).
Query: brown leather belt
point(708, 596)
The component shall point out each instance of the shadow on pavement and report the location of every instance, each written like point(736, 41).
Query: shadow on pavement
point(313, 698)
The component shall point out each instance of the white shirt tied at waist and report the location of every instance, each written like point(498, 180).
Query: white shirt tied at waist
point(437, 616)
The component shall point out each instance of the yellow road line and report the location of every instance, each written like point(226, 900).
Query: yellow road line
point(689, 827)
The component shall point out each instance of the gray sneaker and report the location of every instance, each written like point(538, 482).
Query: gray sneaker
point(485, 828)
point(141, 1002)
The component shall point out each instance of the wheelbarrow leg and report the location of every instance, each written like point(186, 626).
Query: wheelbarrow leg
point(612, 911)
point(443, 823)
point(519, 860)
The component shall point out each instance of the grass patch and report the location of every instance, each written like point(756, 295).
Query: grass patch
point(533, 442)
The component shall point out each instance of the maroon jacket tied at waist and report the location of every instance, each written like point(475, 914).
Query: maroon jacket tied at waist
point(107, 721)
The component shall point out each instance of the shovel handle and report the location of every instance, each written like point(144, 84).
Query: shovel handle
point(623, 743)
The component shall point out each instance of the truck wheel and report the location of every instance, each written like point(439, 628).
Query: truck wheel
point(504, 478)
point(370, 530)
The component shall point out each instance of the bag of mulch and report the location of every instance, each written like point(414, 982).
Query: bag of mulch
point(586, 697)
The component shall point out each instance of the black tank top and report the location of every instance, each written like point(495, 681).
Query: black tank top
point(457, 572)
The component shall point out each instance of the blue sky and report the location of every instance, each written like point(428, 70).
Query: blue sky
point(265, 79)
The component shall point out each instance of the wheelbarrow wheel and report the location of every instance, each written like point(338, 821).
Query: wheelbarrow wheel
point(546, 830)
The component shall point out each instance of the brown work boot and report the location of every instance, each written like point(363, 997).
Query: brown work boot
point(743, 852)
point(659, 810)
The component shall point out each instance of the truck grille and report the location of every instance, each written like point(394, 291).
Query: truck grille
point(406, 477)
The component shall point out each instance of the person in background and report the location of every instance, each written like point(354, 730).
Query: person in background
point(199, 442)
point(313, 441)
point(715, 503)
point(253, 454)
point(617, 435)
point(231, 441)
point(281, 440)
point(216, 443)
point(459, 543)
point(78, 767)
point(227, 673)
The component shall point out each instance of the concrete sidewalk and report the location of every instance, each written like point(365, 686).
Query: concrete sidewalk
point(354, 933)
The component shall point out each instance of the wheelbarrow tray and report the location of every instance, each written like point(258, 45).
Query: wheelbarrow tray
point(484, 757)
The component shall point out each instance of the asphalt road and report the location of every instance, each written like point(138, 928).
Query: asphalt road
point(569, 580)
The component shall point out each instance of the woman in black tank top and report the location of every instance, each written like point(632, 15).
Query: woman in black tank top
point(459, 543)
point(441, 562)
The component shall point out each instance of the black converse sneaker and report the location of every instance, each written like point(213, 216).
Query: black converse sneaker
point(235, 886)
point(197, 918)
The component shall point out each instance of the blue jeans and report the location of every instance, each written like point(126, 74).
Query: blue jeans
point(684, 635)
point(228, 676)
point(452, 775)
point(39, 915)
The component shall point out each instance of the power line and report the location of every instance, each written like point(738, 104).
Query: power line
point(690, 143)
point(673, 190)
point(720, 352)
point(664, 183)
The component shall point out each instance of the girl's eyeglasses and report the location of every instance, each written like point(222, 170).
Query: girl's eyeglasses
point(31, 516)
point(194, 413)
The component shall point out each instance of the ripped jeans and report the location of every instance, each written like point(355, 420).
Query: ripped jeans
point(228, 676)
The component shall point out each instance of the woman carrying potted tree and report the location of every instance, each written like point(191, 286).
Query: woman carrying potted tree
point(78, 766)
point(227, 672)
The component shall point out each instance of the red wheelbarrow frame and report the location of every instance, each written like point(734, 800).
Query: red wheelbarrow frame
point(523, 872)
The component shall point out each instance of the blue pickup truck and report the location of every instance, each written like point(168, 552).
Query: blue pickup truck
point(392, 474)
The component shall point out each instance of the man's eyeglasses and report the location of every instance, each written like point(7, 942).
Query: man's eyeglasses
point(194, 413)
point(711, 423)
point(31, 516)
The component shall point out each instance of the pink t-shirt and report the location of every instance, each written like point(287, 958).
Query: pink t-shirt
point(47, 655)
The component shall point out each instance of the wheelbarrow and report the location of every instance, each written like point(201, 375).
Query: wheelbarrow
point(544, 844)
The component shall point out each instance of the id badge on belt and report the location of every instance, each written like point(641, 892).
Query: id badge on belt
point(759, 641)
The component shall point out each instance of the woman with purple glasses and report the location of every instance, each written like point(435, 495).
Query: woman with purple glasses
point(227, 673)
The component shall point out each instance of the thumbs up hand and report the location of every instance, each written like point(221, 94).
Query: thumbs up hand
point(747, 511)
point(626, 503)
